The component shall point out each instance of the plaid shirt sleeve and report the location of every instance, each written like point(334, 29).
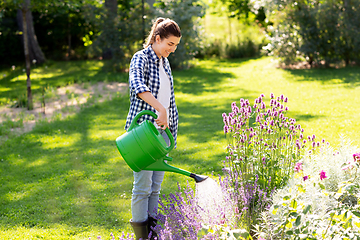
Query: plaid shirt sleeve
point(137, 81)
point(143, 77)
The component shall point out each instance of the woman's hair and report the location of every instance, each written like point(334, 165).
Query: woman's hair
point(164, 28)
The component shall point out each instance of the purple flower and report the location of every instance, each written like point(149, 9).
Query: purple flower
point(226, 129)
point(298, 167)
point(305, 178)
point(322, 175)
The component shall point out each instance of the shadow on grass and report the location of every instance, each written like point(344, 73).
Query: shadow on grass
point(64, 172)
point(347, 75)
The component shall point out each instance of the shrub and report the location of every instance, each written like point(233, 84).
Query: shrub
point(263, 142)
point(320, 201)
point(263, 147)
point(321, 32)
point(239, 49)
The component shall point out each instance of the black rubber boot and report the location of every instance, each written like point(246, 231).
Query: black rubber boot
point(141, 229)
point(152, 224)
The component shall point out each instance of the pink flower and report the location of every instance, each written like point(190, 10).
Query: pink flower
point(356, 157)
point(298, 167)
point(348, 167)
point(322, 175)
point(260, 238)
point(305, 178)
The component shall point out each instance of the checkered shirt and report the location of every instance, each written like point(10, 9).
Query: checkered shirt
point(144, 77)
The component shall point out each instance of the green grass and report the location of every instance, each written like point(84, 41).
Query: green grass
point(66, 179)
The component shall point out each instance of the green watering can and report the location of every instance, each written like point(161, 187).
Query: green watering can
point(143, 148)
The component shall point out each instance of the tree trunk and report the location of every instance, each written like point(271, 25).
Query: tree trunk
point(111, 10)
point(35, 51)
point(68, 54)
point(25, 9)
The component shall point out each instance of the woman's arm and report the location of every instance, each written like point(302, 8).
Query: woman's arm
point(150, 99)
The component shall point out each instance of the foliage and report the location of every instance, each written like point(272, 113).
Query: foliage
point(115, 37)
point(60, 29)
point(319, 31)
point(179, 216)
point(9, 40)
point(239, 49)
point(320, 202)
point(263, 147)
point(263, 142)
point(187, 14)
point(238, 7)
point(247, 10)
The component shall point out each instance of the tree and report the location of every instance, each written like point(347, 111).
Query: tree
point(110, 31)
point(118, 31)
point(187, 14)
point(35, 51)
point(27, 27)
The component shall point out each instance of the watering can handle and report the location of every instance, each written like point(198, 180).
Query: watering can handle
point(148, 112)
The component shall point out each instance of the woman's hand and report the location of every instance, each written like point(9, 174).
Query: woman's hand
point(161, 121)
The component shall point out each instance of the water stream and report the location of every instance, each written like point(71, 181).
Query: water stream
point(215, 206)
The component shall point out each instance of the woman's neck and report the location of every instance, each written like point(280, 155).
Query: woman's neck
point(156, 50)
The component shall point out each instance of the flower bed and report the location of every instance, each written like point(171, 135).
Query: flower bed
point(277, 184)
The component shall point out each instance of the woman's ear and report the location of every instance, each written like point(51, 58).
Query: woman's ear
point(157, 39)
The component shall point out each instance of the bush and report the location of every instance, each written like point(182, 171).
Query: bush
point(242, 49)
point(320, 201)
point(263, 147)
point(239, 49)
point(320, 33)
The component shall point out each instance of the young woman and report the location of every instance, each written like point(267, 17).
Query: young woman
point(151, 88)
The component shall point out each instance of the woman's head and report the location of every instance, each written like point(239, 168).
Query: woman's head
point(163, 29)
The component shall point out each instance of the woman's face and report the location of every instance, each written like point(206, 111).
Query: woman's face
point(166, 46)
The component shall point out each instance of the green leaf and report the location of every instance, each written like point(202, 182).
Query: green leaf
point(293, 214)
point(356, 213)
point(298, 221)
point(306, 209)
point(241, 234)
point(294, 203)
point(286, 198)
point(322, 186)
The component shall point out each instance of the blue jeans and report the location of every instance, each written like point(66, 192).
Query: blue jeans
point(146, 191)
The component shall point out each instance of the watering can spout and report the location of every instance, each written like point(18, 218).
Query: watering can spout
point(198, 178)
point(161, 165)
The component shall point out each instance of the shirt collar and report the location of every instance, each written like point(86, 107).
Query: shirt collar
point(153, 55)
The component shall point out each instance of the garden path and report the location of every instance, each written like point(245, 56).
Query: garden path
point(65, 100)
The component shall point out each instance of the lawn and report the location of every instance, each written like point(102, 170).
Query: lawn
point(66, 179)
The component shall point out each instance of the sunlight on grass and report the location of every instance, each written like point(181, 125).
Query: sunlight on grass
point(67, 180)
point(50, 142)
